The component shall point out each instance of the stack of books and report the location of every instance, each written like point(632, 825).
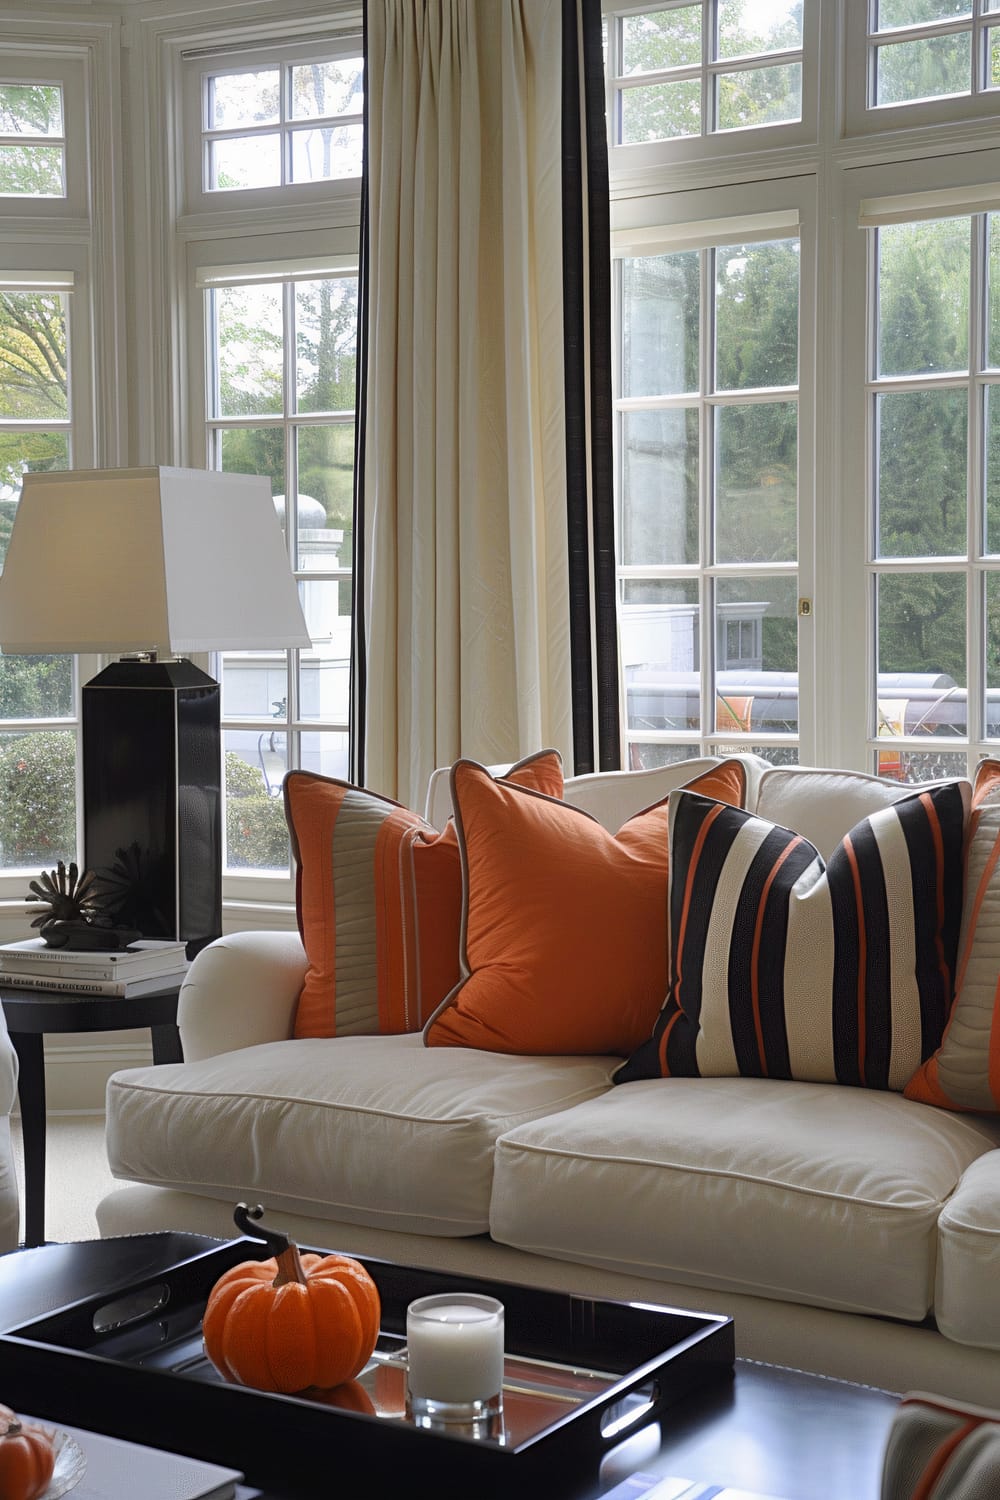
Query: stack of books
point(146, 965)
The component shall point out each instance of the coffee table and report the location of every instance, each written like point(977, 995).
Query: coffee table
point(776, 1431)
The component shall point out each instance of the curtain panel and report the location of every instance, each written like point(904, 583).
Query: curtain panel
point(481, 511)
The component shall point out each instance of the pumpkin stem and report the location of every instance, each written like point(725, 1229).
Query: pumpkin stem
point(10, 1426)
point(285, 1251)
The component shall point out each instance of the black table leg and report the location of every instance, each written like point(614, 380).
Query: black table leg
point(31, 1097)
point(166, 1044)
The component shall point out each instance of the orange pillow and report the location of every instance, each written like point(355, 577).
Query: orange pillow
point(378, 898)
point(564, 932)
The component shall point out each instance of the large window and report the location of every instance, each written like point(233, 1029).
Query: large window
point(32, 140)
point(281, 394)
point(708, 497)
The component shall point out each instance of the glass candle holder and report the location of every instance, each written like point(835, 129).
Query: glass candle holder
point(454, 1357)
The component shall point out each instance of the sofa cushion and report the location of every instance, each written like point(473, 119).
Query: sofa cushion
point(824, 805)
point(966, 1306)
point(964, 1072)
point(782, 967)
point(806, 1192)
point(378, 897)
point(563, 923)
point(369, 1130)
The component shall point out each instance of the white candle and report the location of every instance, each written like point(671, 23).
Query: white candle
point(455, 1348)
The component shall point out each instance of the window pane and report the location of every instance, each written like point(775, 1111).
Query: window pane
point(254, 686)
point(326, 481)
point(921, 633)
point(922, 474)
point(893, 13)
point(660, 308)
point(328, 88)
point(37, 799)
point(255, 450)
point(326, 336)
point(333, 151)
point(661, 112)
point(326, 753)
point(660, 642)
point(993, 655)
point(919, 766)
point(926, 69)
point(659, 487)
point(757, 654)
point(771, 26)
point(237, 99)
point(759, 96)
point(36, 687)
point(33, 356)
point(256, 831)
point(251, 161)
point(23, 453)
point(32, 172)
point(757, 315)
point(665, 39)
point(924, 297)
point(31, 109)
point(325, 670)
point(756, 482)
point(992, 477)
point(248, 322)
point(650, 757)
point(993, 57)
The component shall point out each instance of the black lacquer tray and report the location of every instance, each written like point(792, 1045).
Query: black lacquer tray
point(580, 1374)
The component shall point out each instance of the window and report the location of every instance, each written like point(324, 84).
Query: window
point(684, 69)
point(281, 398)
point(708, 496)
point(38, 713)
point(929, 49)
point(933, 465)
point(32, 141)
point(268, 126)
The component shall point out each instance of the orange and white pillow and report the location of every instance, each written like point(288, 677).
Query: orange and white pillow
point(378, 896)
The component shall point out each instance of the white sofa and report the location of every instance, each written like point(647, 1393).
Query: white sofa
point(850, 1232)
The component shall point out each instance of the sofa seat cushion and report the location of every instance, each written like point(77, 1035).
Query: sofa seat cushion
point(375, 1130)
point(807, 1192)
point(966, 1305)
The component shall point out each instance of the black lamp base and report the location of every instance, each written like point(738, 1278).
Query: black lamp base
point(152, 795)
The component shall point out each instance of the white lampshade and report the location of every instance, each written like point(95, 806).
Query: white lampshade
point(159, 559)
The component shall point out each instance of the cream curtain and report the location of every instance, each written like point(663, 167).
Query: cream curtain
point(463, 578)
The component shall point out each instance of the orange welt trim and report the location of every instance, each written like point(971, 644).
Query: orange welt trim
point(699, 844)
point(993, 1057)
point(973, 919)
point(924, 1486)
point(935, 827)
point(664, 1038)
point(755, 954)
point(862, 951)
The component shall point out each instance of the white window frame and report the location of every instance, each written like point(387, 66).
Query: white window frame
point(199, 64)
point(29, 65)
point(657, 224)
point(945, 187)
point(955, 112)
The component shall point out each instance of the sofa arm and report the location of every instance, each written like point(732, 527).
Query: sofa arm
point(239, 991)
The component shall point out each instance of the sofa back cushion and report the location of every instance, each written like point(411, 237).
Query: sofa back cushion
point(378, 897)
point(823, 805)
point(964, 1072)
point(782, 967)
point(564, 924)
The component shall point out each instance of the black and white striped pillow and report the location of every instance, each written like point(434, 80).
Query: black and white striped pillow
point(783, 967)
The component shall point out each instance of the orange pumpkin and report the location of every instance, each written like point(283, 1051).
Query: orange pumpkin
point(291, 1321)
point(27, 1457)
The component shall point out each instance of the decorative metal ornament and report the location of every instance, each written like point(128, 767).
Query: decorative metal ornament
point(78, 911)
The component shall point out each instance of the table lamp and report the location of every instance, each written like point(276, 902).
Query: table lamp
point(156, 562)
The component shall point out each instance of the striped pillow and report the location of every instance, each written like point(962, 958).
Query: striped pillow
point(782, 967)
point(964, 1072)
point(378, 897)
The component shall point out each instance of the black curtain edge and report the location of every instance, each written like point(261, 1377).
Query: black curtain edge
point(358, 682)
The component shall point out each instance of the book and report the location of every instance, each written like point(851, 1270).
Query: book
point(117, 1468)
point(143, 959)
point(655, 1487)
point(55, 984)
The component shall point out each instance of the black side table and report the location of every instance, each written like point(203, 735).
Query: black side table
point(30, 1015)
